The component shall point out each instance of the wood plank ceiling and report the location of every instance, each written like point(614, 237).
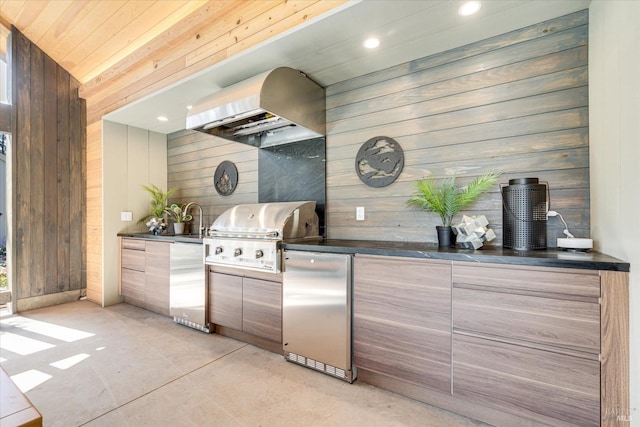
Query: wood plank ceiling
point(86, 37)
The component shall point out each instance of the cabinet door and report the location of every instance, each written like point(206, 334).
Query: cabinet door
point(402, 319)
point(545, 386)
point(157, 263)
point(132, 286)
point(262, 308)
point(225, 300)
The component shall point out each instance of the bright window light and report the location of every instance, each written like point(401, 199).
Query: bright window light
point(22, 345)
point(371, 43)
point(69, 361)
point(47, 329)
point(469, 8)
point(29, 379)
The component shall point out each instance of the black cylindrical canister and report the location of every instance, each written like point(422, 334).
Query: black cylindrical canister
point(524, 214)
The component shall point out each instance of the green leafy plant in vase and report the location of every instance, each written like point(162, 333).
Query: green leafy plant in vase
point(179, 214)
point(444, 198)
point(155, 220)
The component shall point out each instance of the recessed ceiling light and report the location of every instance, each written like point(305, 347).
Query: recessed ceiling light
point(189, 107)
point(371, 43)
point(469, 8)
point(163, 118)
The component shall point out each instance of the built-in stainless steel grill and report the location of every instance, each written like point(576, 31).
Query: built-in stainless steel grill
point(249, 236)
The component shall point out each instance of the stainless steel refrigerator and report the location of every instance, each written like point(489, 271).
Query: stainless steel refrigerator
point(316, 313)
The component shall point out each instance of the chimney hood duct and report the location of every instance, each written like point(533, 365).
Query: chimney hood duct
point(277, 107)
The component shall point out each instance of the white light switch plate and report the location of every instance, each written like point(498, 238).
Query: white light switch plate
point(126, 216)
point(360, 213)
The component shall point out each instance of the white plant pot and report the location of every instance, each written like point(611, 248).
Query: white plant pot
point(178, 228)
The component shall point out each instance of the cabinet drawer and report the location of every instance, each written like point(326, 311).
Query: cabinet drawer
point(571, 282)
point(134, 244)
point(133, 259)
point(544, 386)
point(566, 324)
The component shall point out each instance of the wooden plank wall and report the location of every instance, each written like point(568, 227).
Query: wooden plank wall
point(213, 33)
point(192, 159)
point(48, 174)
point(209, 35)
point(516, 103)
point(94, 227)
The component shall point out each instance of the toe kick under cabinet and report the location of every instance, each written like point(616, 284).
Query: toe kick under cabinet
point(505, 344)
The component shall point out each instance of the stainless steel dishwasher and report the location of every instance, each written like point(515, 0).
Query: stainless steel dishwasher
point(188, 292)
point(316, 312)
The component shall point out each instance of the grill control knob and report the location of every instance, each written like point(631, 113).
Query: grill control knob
point(218, 250)
point(237, 252)
point(259, 253)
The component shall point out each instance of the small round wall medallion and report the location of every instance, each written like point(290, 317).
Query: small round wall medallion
point(225, 178)
point(379, 161)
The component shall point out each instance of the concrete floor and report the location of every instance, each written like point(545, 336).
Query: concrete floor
point(81, 364)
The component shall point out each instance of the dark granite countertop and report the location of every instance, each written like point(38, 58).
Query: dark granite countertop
point(490, 254)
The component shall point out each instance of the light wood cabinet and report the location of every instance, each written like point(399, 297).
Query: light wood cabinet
point(541, 320)
point(225, 300)
point(144, 274)
point(132, 263)
point(248, 304)
point(262, 308)
point(544, 386)
point(402, 319)
point(132, 286)
point(527, 341)
point(157, 276)
point(527, 345)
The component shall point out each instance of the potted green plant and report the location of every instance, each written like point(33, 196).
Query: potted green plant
point(179, 214)
point(444, 198)
point(154, 220)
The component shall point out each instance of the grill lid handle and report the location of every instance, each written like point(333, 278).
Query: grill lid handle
point(235, 233)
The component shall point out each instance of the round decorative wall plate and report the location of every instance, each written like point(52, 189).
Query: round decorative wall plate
point(225, 179)
point(379, 161)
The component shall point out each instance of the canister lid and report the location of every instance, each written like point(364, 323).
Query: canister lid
point(523, 181)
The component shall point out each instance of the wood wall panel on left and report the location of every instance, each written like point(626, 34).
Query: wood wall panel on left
point(49, 140)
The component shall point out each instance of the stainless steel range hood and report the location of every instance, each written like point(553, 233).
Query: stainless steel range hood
point(277, 107)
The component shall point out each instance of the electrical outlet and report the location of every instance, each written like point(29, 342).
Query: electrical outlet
point(360, 213)
point(126, 216)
